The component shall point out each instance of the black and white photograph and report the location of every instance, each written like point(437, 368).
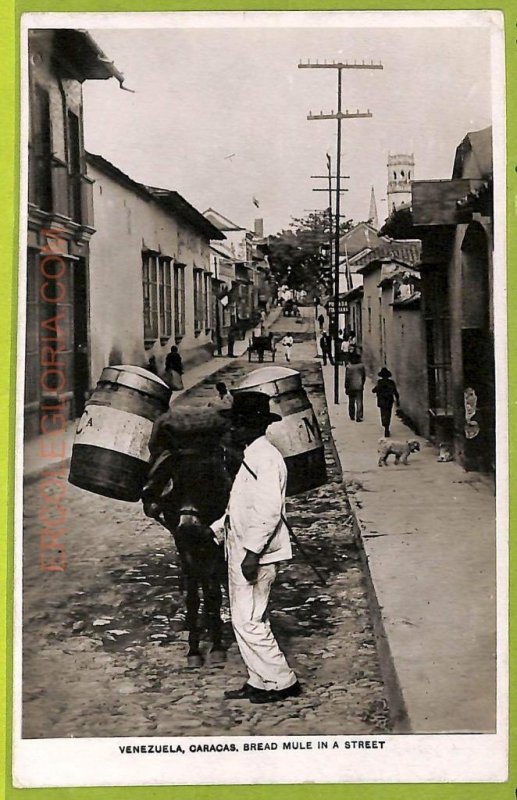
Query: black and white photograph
point(261, 477)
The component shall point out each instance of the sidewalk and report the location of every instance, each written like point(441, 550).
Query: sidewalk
point(428, 535)
point(35, 462)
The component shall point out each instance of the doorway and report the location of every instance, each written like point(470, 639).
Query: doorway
point(478, 347)
point(81, 370)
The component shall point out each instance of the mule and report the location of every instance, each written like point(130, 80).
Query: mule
point(187, 489)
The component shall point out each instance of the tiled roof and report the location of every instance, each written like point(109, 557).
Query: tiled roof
point(360, 237)
point(405, 251)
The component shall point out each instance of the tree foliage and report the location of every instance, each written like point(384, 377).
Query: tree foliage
point(399, 225)
point(299, 255)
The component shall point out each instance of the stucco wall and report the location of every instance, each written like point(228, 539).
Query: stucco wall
point(125, 223)
point(396, 339)
point(371, 323)
point(408, 365)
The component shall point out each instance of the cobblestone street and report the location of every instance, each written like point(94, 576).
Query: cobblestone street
point(104, 641)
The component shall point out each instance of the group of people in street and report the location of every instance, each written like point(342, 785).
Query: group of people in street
point(385, 389)
point(348, 353)
point(346, 344)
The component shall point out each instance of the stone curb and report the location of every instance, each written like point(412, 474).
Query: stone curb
point(397, 706)
point(395, 696)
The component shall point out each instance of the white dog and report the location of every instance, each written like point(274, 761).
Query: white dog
point(400, 450)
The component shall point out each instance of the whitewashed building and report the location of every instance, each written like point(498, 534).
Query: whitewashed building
point(150, 283)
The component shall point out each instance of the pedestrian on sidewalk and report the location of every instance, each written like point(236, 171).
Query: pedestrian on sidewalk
point(256, 538)
point(387, 393)
point(355, 376)
point(321, 321)
point(325, 347)
point(348, 345)
point(231, 340)
point(287, 343)
point(174, 369)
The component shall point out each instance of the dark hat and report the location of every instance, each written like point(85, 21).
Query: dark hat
point(384, 373)
point(251, 406)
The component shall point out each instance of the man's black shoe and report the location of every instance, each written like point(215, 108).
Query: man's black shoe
point(244, 693)
point(276, 695)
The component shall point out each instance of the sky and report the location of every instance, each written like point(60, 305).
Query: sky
point(219, 114)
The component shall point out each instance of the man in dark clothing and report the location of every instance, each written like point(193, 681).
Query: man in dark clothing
point(231, 340)
point(173, 361)
point(355, 376)
point(174, 369)
point(386, 391)
point(325, 347)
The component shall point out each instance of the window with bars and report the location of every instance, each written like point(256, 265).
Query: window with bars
point(165, 297)
point(438, 342)
point(208, 300)
point(157, 291)
point(40, 162)
point(439, 365)
point(179, 300)
point(199, 300)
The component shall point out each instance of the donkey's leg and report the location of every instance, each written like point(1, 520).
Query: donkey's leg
point(213, 598)
point(192, 602)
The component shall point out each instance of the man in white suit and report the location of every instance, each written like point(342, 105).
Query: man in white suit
point(256, 539)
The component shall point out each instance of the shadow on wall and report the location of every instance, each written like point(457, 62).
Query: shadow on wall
point(115, 356)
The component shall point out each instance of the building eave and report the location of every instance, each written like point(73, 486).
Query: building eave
point(172, 202)
point(175, 202)
point(353, 294)
point(77, 52)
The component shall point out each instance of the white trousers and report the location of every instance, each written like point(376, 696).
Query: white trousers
point(266, 664)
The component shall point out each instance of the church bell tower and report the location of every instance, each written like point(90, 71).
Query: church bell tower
point(400, 174)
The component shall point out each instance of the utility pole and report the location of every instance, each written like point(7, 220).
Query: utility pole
point(339, 116)
point(329, 177)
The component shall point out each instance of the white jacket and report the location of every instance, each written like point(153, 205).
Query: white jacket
point(253, 517)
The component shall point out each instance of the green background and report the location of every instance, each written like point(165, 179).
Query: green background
point(10, 12)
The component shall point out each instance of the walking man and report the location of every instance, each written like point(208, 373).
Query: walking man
point(355, 376)
point(287, 343)
point(325, 347)
point(387, 393)
point(256, 539)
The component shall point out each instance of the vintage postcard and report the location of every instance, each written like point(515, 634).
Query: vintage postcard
point(261, 486)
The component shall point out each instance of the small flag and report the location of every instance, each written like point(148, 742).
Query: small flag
point(256, 202)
